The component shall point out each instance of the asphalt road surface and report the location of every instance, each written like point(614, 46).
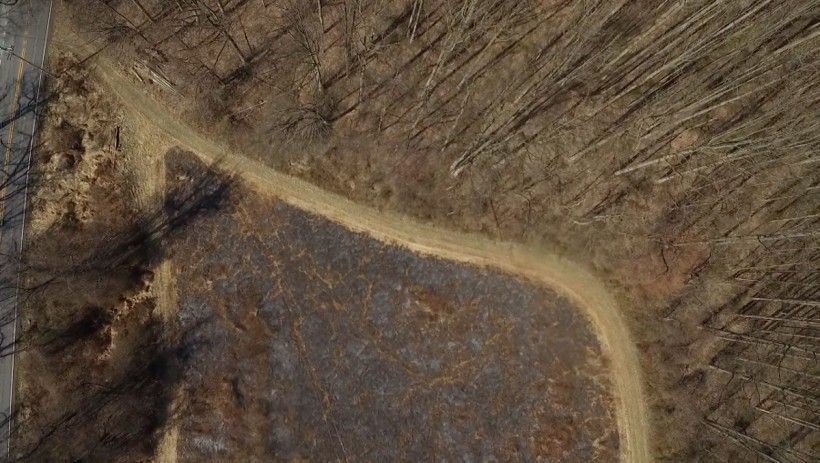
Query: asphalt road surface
point(24, 28)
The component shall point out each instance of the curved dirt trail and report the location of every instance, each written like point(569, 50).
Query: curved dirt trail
point(572, 281)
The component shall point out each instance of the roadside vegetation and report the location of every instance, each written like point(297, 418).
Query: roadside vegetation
point(98, 365)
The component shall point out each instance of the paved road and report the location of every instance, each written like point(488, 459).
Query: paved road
point(23, 34)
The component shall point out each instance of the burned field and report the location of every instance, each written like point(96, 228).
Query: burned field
point(310, 341)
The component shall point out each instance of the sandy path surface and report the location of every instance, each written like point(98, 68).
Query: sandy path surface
point(572, 281)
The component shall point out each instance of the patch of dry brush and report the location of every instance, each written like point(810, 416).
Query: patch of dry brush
point(98, 367)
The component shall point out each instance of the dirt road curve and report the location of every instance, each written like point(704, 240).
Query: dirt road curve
point(539, 265)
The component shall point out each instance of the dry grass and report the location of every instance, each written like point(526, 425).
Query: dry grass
point(88, 330)
point(98, 360)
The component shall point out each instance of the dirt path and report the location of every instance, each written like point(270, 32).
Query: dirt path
point(574, 282)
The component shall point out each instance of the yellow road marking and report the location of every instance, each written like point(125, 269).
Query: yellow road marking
point(15, 106)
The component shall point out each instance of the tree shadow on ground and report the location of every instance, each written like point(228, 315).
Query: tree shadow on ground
point(119, 361)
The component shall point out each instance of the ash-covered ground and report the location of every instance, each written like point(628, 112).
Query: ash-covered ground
point(316, 343)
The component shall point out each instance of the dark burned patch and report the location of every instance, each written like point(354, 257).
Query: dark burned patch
point(324, 344)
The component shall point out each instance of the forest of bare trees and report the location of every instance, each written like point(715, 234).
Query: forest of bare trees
point(678, 138)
